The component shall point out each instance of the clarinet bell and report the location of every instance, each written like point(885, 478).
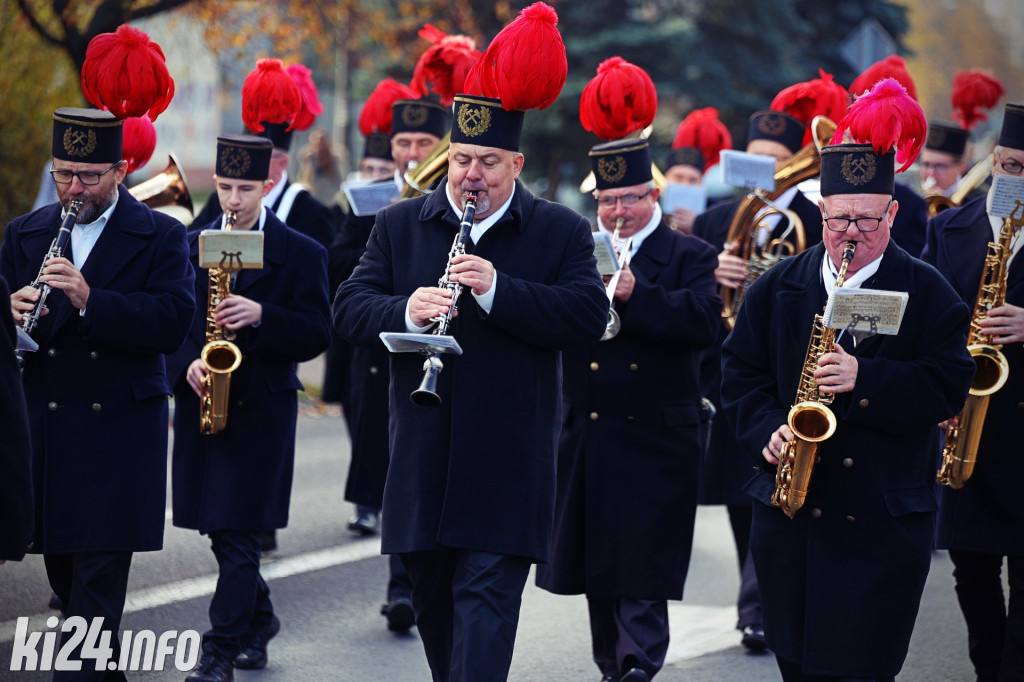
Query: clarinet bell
point(611, 329)
point(426, 395)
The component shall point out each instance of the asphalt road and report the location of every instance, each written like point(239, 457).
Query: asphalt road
point(327, 586)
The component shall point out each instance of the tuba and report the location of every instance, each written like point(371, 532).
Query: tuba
point(960, 452)
point(220, 355)
point(810, 417)
point(747, 223)
point(974, 179)
point(166, 188)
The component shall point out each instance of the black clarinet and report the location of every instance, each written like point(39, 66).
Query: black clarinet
point(426, 395)
point(30, 319)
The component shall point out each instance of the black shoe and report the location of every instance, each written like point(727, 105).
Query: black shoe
point(268, 541)
point(753, 638)
point(400, 614)
point(609, 678)
point(635, 675)
point(253, 653)
point(364, 522)
point(212, 668)
point(55, 603)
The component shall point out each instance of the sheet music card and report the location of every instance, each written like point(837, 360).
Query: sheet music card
point(751, 171)
point(693, 197)
point(866, 312)
point(241, 250)
point(368, 199)
point(1007, 190)
point(604, 251)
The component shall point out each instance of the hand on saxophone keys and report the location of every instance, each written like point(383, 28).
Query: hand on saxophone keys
point(1005, 324)
point(194, 376)
point(837, 371)
point(236, 312)
point(780, 437)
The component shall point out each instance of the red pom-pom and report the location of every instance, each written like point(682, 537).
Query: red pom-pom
point(444, 66)
point(817, 97)
point(376, 114)
point(703, 131)
point(619, 100)
point(892, 66)
point(269, 95)
point(311, 106)
point(974, 90)
point(126, 73)
point(525, 65)
point(886, 118)
point(139, 141)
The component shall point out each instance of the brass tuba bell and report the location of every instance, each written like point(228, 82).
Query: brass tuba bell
point(420, 179)
point(166, 188)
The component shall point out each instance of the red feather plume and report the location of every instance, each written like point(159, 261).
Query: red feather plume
point(444, 66)
point(619, 100)
point(126, 73)
point(974, 90)
point(376, 114)
point(887, 117)
point(704, 131)
point(817, 97)
point(269, 95)
point(892, 66)
point(139, 141)
point(525, 65)
point(311, 106)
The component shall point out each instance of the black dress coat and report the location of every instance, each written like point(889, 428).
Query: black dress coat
point(478, 472)
point(629, 450)
point(841, 582)
point(15, 449)
point(986, 514)
point(96, 389)
point(241, 478)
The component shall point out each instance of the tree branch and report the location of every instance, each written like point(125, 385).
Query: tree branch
point(38, 27)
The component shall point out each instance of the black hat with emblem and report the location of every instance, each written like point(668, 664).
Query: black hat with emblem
point(946, 138)
point(378, 146)
point(483, 121)
point(419, 116)
point(856, 169)
point(621, 163)
point(87, 135)
point(777, 126)
point(243, 157)
point(1012, 133)
point(685, 156)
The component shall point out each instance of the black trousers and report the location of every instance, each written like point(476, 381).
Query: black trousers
point(241, 601)
point(791, 672)
point(628, 633)
point(995, 628)
point(91, 585)
point(467, 611)
point(399, 582)
point(748, 603)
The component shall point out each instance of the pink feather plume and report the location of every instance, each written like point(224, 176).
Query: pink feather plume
point(311, 106)
point(619, 100)
point(817, 97)
point(376, 114)
point(886, 118)
point(139, 141)
point(269, 95)
point(974, 90)
point(704, 131)
point(443, 68)
point(126, 73)
point(893, 66)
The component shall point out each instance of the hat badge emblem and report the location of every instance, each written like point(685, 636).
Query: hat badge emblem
point(235, 162)
point(772, 125)
point(859, 169)
point(474, 121)
point(414, 115)
point(612, 169)
point(78, 142)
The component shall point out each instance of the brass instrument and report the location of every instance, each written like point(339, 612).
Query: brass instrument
point(426, 395)
point(420, 178)
point(960, 453)
point(970, 182)
point(220, 355)
point(810, 418)
point(614, 323)
point(747, 225)
point(167, 188)
point(30, 319)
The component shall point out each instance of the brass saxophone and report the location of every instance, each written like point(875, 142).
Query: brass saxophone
point(810, 417)
point(960, 453)
point(220, 356)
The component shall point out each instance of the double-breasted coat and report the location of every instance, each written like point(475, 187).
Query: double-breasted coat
point(96, 389)
point(841, 582)
point(478, 472)
point(986, 514)
point(241, 477)
point(629, 450)
point(15, 449)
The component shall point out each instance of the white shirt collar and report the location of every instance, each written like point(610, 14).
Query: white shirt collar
point(262, 221)
point(482, 226)
point(829, 274)
point(640, 236)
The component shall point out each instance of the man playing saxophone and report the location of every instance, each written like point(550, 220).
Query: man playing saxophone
point(841, 581)
point(233, 484)
point(983, 521)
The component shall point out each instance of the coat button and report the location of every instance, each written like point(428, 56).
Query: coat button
point(373, 369)
point(52, 352)
point(594, 367)
point(96, 407)
point(93, 355)
point(52, 407)
point(816, 513)
point(1020, 406)
point(31, 546)
point(848, 462)
point(863, 402)
point(633, 366)
point(630, 418)
point(817, 459)
point(593, 416)
point(850, 519)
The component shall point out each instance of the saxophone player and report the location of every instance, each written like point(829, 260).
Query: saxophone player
point(841, 581)
point(233, 484)
point(983, 522)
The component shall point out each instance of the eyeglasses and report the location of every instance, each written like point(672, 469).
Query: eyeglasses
point(626, 199)
point(1012, 166)
point(66, 177)
point(928, 165)
point(863, 224)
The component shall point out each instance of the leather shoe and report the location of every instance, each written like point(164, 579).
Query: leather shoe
point(253, 653)
point(753, 638)
point(635, 675)
point(400, 614)
point(609, 678)
point(212, 668)
point(364, 522)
